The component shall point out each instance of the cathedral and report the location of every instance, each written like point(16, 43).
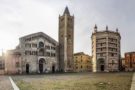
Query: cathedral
point(39, 53)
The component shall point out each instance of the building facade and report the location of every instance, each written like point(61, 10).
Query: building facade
point(13, 62)
point(130, 61)
point(66, 41)
point(105, 50)
point(39, 53)
point(36, 53)
point(82, 62)
point(123, 64)
point(2, 64)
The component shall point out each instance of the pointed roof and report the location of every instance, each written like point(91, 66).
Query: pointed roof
point(66, 11)
point(95, 27)
point(117, 29)
point(106, 27)
point(40, 34)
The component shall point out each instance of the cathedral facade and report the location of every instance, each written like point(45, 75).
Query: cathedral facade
point(39, 53)
point(36, 53)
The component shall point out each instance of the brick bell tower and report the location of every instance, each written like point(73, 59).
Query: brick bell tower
point(66, 41)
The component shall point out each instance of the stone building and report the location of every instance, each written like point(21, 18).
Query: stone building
point(36, 53)
point(2, 64)
point(13, 62)
point(39, 53)
point(82, 62)
point(105, 50)
point(130, 61)
point(66, 41)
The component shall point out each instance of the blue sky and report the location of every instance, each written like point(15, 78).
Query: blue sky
point(22, 17)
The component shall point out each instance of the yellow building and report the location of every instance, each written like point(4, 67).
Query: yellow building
point(82, 62)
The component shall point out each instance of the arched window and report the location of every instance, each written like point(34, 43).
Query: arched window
point(41, 44)
point(101, 61)
point(113, 62)
point(41, 61)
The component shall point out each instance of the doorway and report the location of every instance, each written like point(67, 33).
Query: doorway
point(27, 68)
point(102, 68)
point(53, 69)
point(101, 64)
point(41, 65)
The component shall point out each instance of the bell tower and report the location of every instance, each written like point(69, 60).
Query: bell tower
point(66, 41)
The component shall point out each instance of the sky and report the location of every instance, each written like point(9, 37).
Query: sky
point(22, 17)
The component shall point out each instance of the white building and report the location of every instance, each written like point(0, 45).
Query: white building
point(105, 50)
point(37, 53)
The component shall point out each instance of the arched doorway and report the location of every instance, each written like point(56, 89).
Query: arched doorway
point(101, 64)
point(27, 68)
point(53, 68)
point(41, 65)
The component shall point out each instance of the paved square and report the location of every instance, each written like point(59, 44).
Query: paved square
point(5, 83)
point(75, 81)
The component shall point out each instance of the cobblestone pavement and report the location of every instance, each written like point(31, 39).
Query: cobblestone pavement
point(5, 83)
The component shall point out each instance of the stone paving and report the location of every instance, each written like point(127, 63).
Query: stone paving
point(5, 83)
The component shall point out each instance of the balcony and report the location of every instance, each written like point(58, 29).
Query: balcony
point(112, 46)
point(110, 41)
point(99, 46)
point(99, 51)
point(101, 41)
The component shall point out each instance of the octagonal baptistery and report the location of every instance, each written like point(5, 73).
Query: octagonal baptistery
point(105, 50)
point(39, 53)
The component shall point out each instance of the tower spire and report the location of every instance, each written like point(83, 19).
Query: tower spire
point(66, 11)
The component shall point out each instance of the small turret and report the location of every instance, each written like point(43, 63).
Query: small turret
point(106, 28)
point(95, 28)
point(117, 30)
